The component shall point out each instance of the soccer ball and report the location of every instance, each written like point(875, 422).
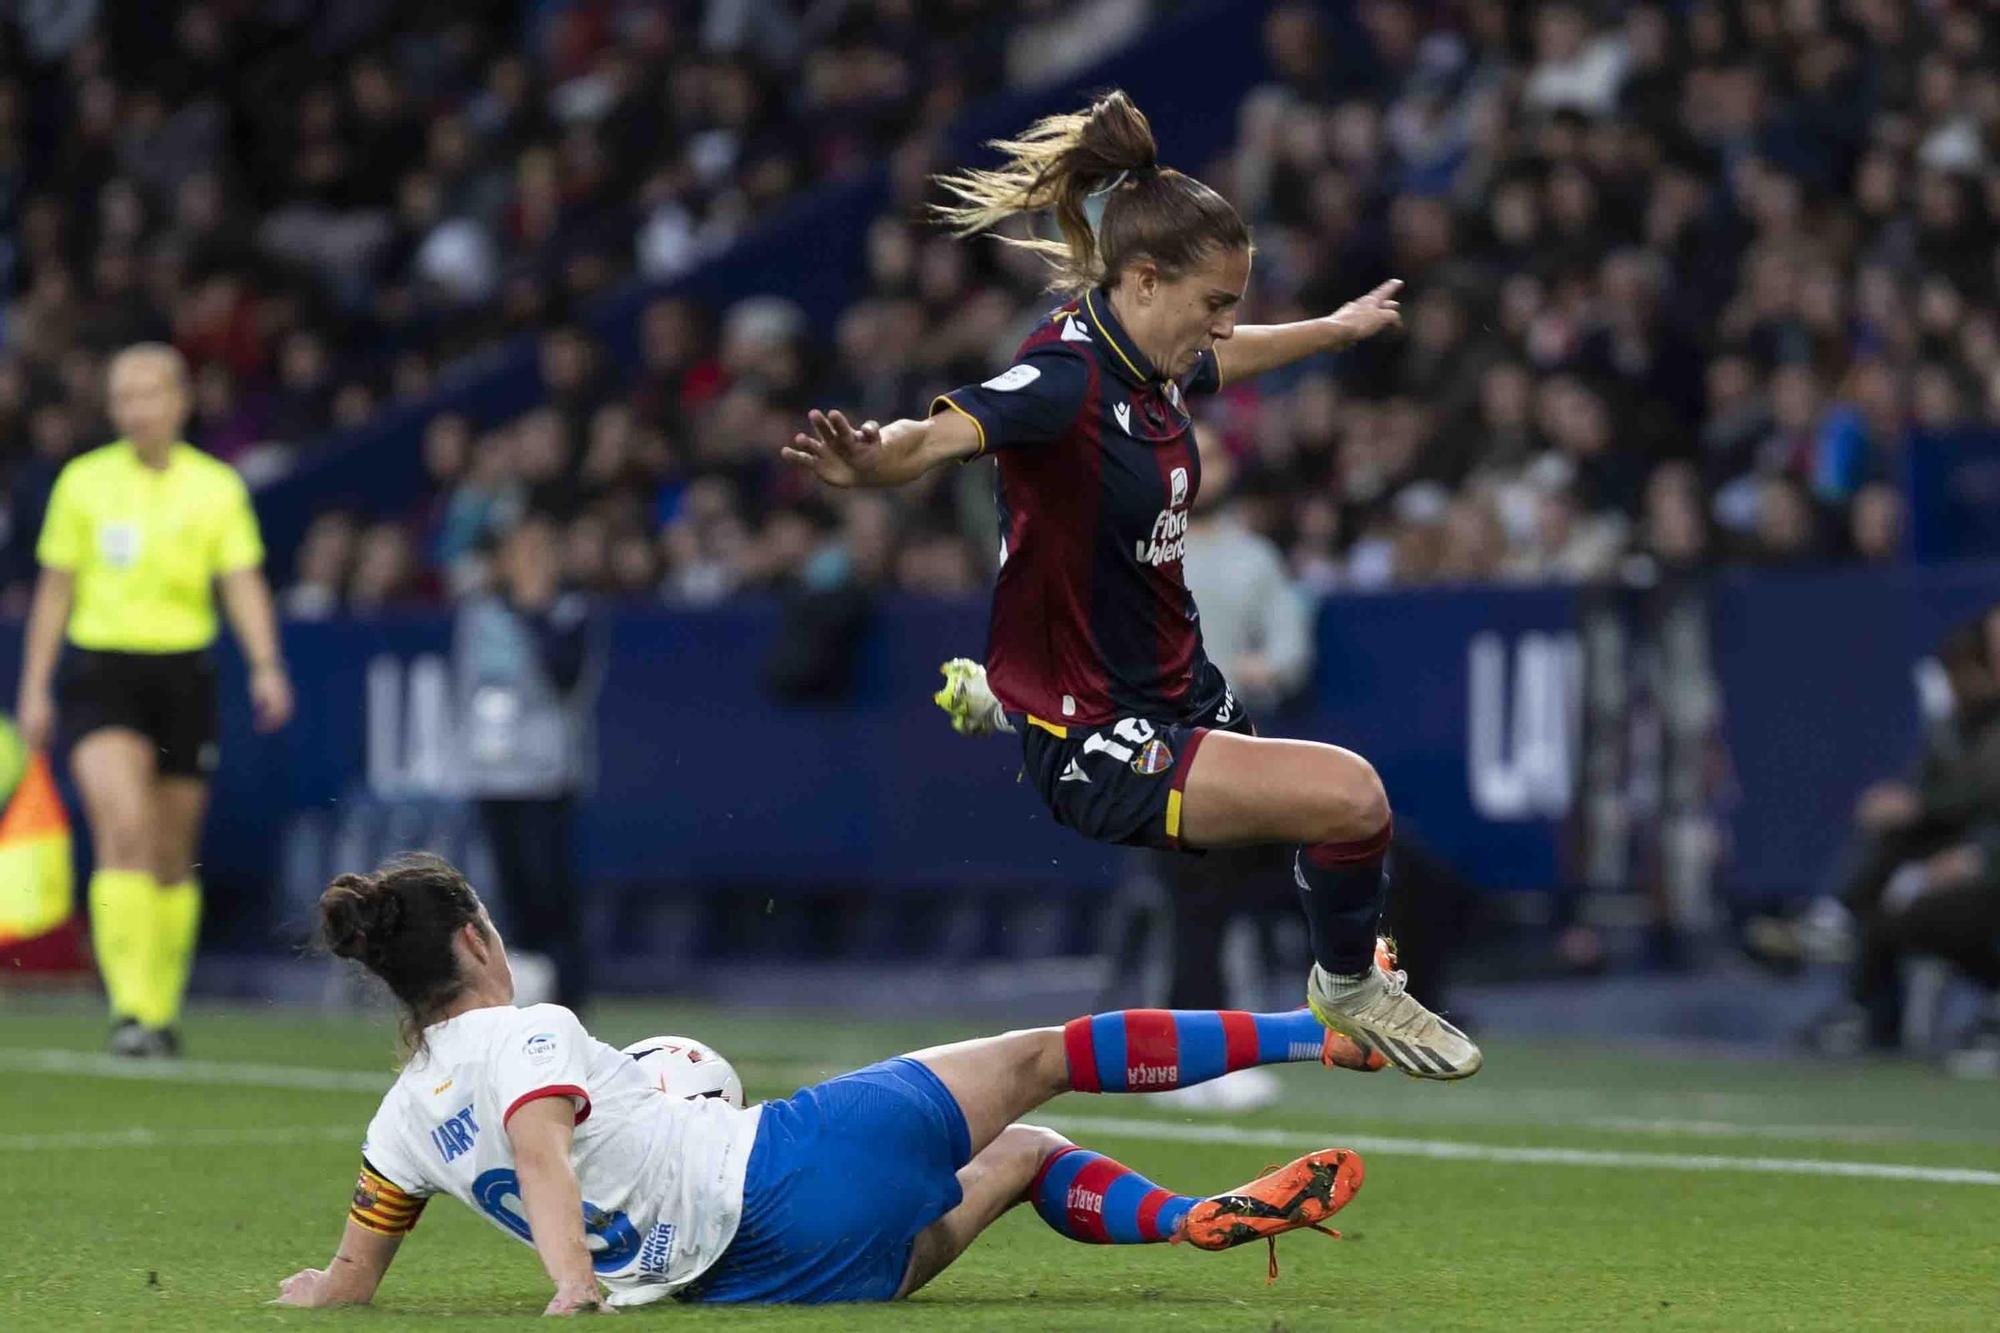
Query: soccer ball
point(684, 1067)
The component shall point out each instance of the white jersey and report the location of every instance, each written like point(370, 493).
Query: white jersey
point(662, 1178)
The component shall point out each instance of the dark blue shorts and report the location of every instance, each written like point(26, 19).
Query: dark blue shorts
point(841, 1179)
point(1121, 782)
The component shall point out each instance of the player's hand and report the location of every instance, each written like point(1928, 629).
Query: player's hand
point(271, 697)
point(1887, 805)
point(1368, 315)
point(1254, 672)
point(308, 1287)
point(1955, 866)
point(35, 718)
point(839, 452)
point(580, 1297)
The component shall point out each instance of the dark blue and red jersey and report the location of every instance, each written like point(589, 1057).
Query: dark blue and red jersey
point(1092, 620)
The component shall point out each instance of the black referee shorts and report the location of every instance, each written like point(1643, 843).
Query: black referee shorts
point(167, 697)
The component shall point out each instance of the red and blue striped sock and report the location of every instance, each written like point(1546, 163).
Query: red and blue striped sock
point(1088, 1197)
point(1154, 1050)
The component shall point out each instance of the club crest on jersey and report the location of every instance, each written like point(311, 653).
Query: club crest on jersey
point(1153, 758)
point(1177, 487)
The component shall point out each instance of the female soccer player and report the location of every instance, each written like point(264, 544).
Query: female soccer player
point(1131, 735)
point(862, 1188)
point(136, 533)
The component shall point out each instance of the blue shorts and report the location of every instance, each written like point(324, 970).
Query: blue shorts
point(841, 1179)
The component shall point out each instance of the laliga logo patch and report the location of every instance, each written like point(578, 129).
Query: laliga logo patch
point(541, 1048)
point(1154, 758)
point(1007, 381)
point(1177, 485)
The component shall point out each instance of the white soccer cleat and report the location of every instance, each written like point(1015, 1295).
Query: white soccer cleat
point(1380, 1014)
point(970, 702)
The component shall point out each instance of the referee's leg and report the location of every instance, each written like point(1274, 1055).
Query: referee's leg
point(179, 804)
point(115, 769)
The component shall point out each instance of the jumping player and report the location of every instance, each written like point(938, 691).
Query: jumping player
point(862, 1188)
point(1131, 735)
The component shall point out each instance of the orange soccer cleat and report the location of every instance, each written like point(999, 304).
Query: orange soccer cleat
point(1288, 1198)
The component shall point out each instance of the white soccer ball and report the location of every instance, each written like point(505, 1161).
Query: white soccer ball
point(683, 1067)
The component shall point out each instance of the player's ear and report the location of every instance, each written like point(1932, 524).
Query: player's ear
point(1147, 274)
point(479, 941)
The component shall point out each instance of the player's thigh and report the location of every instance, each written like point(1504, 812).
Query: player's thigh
point(992, 1182)
point(179, 806)
point(997, 1080)
point(1242, 790)
point(115, 774)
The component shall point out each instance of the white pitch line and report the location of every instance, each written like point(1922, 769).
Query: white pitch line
point(91, 1064)
point(216, 1072)
point(1516, 1156)
point(141, 1137)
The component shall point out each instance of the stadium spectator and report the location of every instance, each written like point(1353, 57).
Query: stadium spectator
point(526, 657)
point(324, 563)
point(390, 181)
point(1256, 626)
point(1922, 874)
point(1634, 237)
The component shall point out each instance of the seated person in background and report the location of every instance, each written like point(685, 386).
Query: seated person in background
point(1922, 871)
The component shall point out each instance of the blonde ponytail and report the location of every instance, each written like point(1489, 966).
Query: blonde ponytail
point(1059, 162)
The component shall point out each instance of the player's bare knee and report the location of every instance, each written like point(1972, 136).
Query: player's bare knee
point(1354, 806)
point(1038, 1059)
point(1028, 1146)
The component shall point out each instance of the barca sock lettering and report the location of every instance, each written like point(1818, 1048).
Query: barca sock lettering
point(1343, 887)
point(1088, 1197)
point(1154, 1050)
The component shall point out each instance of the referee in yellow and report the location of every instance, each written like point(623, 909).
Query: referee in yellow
point(138, 535)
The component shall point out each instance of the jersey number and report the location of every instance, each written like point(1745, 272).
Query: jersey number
point(1134, 729)
point(613, 1241)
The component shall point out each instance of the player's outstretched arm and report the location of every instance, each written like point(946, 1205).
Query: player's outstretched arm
point(1256, 348)
point(350, 1277)
point(540, 1133)
point(840, 453)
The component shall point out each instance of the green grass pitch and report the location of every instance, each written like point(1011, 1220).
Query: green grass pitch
point(1565, 1187)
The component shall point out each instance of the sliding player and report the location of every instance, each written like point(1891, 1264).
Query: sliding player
point(862, 1188)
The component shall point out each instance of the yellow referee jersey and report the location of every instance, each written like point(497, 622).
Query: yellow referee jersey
point(146, 546)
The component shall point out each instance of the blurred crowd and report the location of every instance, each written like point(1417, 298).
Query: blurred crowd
point(1684, 279)
point(325, 204)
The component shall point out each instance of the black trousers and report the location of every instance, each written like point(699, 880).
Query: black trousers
point(1960, 925)
point(1205, 893)
point(533, 845)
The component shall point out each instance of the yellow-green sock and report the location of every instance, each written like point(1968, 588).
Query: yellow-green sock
point(122, 929)
point(176, 924)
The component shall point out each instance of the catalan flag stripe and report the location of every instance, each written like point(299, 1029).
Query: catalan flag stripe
point(381, 1207)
